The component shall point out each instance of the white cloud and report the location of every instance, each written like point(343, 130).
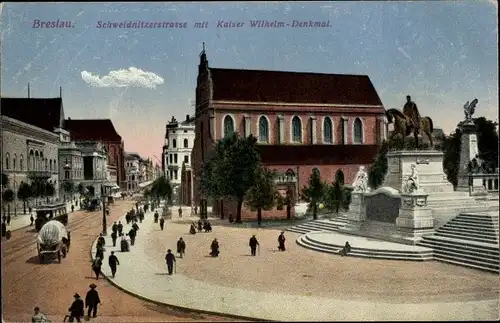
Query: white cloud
point(131, 77)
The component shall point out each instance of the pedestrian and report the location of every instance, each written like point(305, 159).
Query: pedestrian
point(156, 216)
point(281, 241)
point(181, 247)
point(231, 219)
point(113, 262)
point(162, 223)
point(135, 227)
point(253, 245)
point(4, 218)
point(120, 227)
point(114, 236)
point(39, 317)
point(77, 309)
point(200, 226)
point(99, 251)
point(31, 219)
point(8, 219)
point(132, 234)
point(170, 259)
point(101, 241)
point(124, 243)
point(180, 212)
point(114, 228)
point(96, 267)
point(72, 208)
point(214, 248)
point(92, 300)
point(347, 249)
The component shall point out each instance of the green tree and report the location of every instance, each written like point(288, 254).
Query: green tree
point(81, 191)
point(36, 189)
point(337, 196)
point(314, 191)
point(451, 158)
point(261, 195)
point(49, 190)
point(8, 197)
point(24, 193)
point(161, 188)
point(229, 171)
point(69, 188)
point(378, 170)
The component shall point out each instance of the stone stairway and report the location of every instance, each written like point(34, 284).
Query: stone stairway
point(320, 225)
point(469, 240)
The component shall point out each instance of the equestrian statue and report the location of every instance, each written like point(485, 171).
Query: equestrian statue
point(410, 122)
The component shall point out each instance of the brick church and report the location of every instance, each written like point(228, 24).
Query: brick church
point(302, 121)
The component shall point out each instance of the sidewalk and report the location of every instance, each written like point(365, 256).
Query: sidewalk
point(145, 276)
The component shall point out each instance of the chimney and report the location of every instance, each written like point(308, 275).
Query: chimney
point(187, 117)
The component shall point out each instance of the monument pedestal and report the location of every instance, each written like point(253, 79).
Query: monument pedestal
point(357, 211)
point(468, 151)
point(415, 217)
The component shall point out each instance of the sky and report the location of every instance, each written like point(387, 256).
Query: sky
point(441, 53)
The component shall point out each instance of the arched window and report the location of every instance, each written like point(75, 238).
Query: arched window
point(296, 130)
point(31, 161)
point(228, 126)
point(7, 161)
point(358, 131)
point(339, 177)
point(46, 161)
point(14, 162)
point(186, 143)
point(37, 161)
point(327, 131)
point(174, 143)
point(50, 165)
point(21, 163)
point(54, 165)
point(263, 130)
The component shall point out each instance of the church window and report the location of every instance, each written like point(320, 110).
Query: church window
point(263, 130)
point(358, 131)
point(327, 131)
point(228, 126)
point(296, 130)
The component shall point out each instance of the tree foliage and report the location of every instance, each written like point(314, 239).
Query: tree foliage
point(8, 196)
point(261, 195)
point(337, 196)
point(69, 188)
point(230, 170)
point(314, 191)
point(378, 170)
point(161, 188)
point(24, 193)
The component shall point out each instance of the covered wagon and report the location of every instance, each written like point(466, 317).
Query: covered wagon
point(53, 241)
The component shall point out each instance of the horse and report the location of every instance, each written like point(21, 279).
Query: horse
point(403, 126)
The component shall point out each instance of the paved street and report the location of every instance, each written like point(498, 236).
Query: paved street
point(303, 284)
point(26, 283)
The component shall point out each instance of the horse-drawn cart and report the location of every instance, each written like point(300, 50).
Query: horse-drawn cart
point(53, 241)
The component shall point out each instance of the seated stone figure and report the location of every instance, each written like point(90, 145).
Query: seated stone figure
point(412, 183)
point(360, 183)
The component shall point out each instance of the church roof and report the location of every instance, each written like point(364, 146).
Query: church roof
point(292, 87)
point(91, 129)
point(44, 113)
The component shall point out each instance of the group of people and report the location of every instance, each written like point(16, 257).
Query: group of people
point(77, 308)
point(136, 215)
point(205, 226)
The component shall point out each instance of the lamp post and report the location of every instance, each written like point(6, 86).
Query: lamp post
point(104, 222)
point(67, 168)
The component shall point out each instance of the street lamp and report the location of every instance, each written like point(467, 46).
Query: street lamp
point(104, 222)
point(67, 168)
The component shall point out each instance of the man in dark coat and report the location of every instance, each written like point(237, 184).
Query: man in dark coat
point(114, 228)
point(99, 251)
point(281, 241)
point(170, 259)
point(77, 309)
point(132, 234)
point(162, 223)
point(92, 300)
point(120, 227)
point(181, 247)
point(96, 266)
point(215, 248)
point(100, 241)
point(114, 236)
point(253, 245)
point(113, 262)
point(200, 226)
point(135, 226)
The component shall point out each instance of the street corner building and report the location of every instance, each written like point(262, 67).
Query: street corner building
point(302, 121)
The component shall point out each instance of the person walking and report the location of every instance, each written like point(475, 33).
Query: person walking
point(214, 247)
point(170, 259)
point(162, 223)
point(114, 228)
point(39, 317)
point(181, 247)
point(92, 300)
point(96, 267)
point(281, 241)
point(113, 262)
point(132, 234)
point(253, 243)
point(120, 227)
point(77, 309)
point(114, 236)
point(31, 219)
point(8, 219)
point(72, 208)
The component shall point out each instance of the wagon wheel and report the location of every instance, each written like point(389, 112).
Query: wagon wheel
point(59, 256)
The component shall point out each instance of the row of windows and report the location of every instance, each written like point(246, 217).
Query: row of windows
point(185, 143)
point(296, 134)
point(36, 162)
point(173, 159)
point(173, 175)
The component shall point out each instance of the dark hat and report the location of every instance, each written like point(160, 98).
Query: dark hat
point(76, 295)
point(92, 285)
point(169, 250)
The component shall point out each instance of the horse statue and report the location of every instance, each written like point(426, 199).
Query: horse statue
point(409, 121)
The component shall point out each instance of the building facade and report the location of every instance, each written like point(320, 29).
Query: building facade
point(70, 166)
point(95, 167)
point(103, 131)
point(179, 140)
point(30, 141)
point(303, 121)
point(132, 171)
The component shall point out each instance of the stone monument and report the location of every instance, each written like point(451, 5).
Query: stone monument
point(359, 188)
point(468, 149)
